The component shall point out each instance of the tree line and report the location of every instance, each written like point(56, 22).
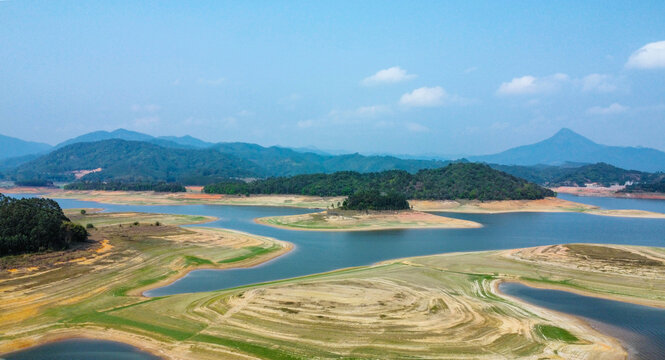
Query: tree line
point(374, 200)
point(126, 186)
point(35, 224)
point(472, 181)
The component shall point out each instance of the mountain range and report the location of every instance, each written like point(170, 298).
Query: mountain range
point(165, 158)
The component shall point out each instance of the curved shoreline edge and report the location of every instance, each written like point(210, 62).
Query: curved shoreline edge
point(287, 248)
point(580, 321)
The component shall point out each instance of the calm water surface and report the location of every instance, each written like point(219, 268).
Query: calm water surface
point(640, 328)
point(618, 203)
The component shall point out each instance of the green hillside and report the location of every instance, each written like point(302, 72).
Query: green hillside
point(122, 160)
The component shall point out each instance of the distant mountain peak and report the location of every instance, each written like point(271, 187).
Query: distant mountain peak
point(569, 146)
point(567, 133)
point(568, 137)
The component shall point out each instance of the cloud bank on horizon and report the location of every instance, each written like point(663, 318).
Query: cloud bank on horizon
point(327, 74)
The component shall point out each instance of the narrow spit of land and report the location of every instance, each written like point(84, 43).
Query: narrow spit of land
point(611, 191)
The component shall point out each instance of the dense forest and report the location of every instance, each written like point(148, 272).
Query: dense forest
point(126, 186)
point(35, 224)
point(34, 182)
point(578, 175)
point(455, 181)
point(374, 200)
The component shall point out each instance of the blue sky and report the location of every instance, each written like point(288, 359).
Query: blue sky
point(399, 77)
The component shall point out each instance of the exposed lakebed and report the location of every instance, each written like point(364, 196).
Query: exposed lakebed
point(319, 252)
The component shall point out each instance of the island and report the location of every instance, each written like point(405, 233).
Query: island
point(366, 211)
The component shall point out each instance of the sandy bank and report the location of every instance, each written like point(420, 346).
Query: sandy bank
point(606, 192)
point(183, 198)
point(550, 204)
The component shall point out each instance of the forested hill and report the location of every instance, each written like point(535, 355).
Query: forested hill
point(576, 175)
point(455, 181)
point(122, 160)
point(35, 224)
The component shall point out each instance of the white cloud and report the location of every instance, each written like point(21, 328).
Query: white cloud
point(229, 121)
point(391, 75)
point(425, 96)
point(146, 122)
point(598, 82)
point(150, 108)
point(347, 117)
point(212, 82)
point(615, 108)
point(371, 111)
point(415, 127)
point(529, 85)
point(649, 56)
point(303, 124)
point(289, 102)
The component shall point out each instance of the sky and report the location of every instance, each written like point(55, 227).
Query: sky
point(400, 77)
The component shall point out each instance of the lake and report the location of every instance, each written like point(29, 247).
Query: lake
point(324, 251)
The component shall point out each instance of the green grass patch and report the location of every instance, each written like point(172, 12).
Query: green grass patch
point(253, 251)
point(193, 260)
point(115, 321)
point(258, 350)
point(551, 332)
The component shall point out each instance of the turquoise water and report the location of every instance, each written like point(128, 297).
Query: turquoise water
point(641, 328)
